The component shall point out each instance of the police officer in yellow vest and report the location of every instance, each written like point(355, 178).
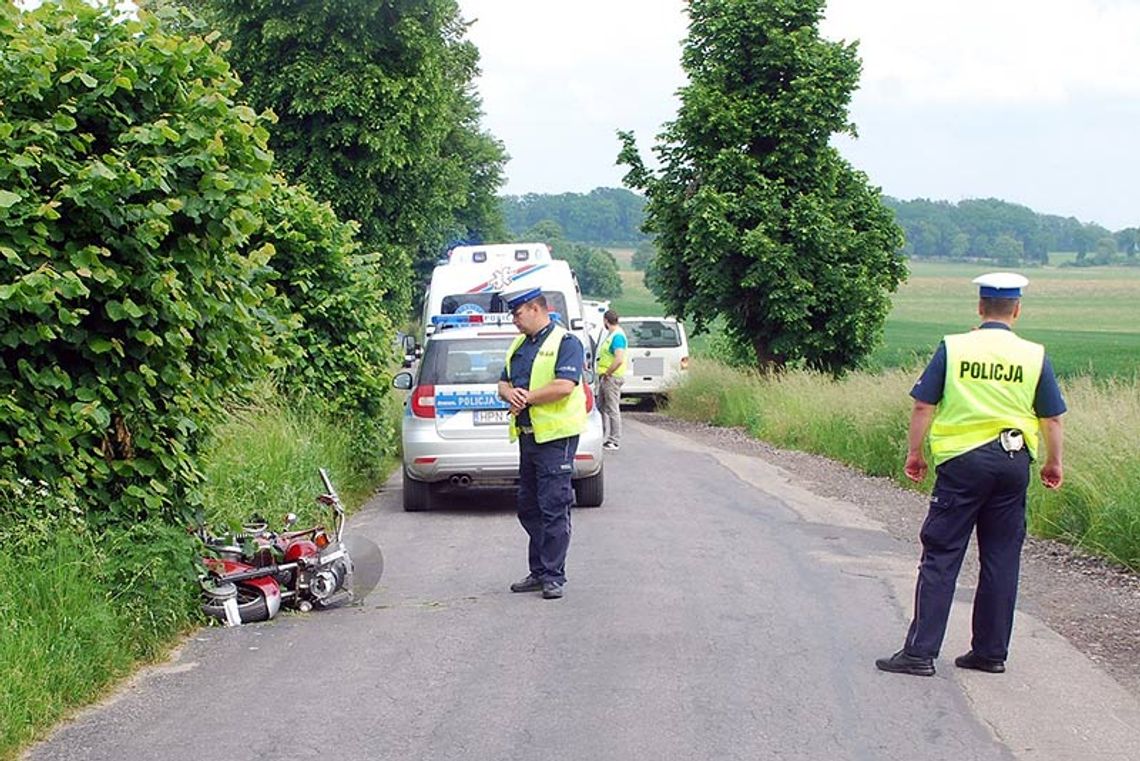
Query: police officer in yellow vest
point(542, 383)
point(611, 372)
point(990, 401)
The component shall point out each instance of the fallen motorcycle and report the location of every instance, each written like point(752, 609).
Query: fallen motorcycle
point(251, 574)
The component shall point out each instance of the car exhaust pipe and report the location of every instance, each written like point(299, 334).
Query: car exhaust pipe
point(461, 479)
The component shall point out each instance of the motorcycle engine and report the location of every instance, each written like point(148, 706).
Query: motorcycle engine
point(328, 580)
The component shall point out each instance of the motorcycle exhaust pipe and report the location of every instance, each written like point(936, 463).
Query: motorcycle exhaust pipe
point(462, 480)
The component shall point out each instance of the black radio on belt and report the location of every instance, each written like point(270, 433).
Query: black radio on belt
point(1012, 440)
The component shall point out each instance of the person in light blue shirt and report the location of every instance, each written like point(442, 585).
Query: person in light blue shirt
point(611, 371)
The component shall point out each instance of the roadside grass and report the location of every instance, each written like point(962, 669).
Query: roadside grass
point(861, 420)
point(80, 611)
point(63, 641)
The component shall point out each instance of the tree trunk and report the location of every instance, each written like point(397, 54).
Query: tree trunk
point(767, 362)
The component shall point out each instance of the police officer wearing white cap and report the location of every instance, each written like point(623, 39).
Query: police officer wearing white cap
point(542, 383)
point(989, 400)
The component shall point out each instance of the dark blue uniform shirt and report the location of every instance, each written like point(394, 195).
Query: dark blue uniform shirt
point(568, 365)
point(1047, 401)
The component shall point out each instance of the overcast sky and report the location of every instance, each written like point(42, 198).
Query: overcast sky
point(1031, 101)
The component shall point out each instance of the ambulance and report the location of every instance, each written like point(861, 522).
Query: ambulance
point(474, 279)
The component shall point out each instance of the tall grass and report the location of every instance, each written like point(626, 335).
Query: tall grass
point(80, 611)
point(265, 462)
point(862, 419)
point(59, 636)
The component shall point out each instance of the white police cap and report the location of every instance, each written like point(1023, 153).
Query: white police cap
point(518, 298)
point(1000, 285)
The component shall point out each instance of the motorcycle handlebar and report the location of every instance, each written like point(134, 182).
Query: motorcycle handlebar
point(336, 504)
point(328, 484)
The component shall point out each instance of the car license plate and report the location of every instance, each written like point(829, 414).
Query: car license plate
point(491, 417)
point(648, 366)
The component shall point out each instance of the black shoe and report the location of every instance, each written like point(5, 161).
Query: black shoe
point(529, 584)
point(901, 663)
point(978, 663)
point(552, 590)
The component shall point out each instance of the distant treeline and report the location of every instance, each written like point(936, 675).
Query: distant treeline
point(602, 216)
point(972, 229)
point(1005, 232)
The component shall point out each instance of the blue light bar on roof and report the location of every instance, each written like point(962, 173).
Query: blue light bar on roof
point(463, 320)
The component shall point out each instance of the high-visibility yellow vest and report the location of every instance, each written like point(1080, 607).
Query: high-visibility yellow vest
point(991, 383)
point(553, 420)
point(606, 355)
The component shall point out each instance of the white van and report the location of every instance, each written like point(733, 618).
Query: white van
point(658, 355)
point(475, 277)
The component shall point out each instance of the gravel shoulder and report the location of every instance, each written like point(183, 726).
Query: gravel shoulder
point(1092, 603)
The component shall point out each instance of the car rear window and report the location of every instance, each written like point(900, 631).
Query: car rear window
point(475, 360)
point(482, 303)
point(652, 334)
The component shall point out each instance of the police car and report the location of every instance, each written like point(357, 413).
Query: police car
point(454, 429)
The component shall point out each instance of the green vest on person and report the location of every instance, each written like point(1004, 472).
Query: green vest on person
point(991, 384)
point(553, 420)
point(606, 356)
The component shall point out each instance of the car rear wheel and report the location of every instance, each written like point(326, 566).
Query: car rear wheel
point(590, 491)
point(417, 494)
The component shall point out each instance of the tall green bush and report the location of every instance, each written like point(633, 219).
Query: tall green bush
point(130, 182)
point(338, 344)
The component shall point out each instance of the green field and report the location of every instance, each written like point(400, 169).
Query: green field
point(1088, 318)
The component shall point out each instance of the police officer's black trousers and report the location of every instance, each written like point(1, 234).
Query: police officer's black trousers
point(983, 488)
point(544, 499)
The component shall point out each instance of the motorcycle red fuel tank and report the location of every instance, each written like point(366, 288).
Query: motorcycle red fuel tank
point(300, 548)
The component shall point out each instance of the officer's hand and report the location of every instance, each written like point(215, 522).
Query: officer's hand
point(1052, 475)
point(915, 467)
point(518, 400)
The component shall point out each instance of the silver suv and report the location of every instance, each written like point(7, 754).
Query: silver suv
point(454, 429)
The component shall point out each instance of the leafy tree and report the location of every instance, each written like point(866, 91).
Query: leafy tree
point(757, 217)
point(1128, 241)
point(959, 245)
point(376, 115)
point(131, 185)
point(1008, 249)
point(1105, 250)
point(643, 255)
point(596, 268)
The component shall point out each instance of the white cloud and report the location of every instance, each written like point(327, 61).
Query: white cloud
point(1026, 100)
point(559, 78)
point(978, 51)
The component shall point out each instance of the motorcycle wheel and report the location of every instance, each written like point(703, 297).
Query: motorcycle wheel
point(251, 606)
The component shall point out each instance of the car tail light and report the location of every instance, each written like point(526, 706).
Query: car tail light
point(423, 401)
point(684, 363)
point(589, 397)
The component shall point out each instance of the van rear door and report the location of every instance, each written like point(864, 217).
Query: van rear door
point(658, 352)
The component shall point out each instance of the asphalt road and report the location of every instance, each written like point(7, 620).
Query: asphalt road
point(714, 610)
